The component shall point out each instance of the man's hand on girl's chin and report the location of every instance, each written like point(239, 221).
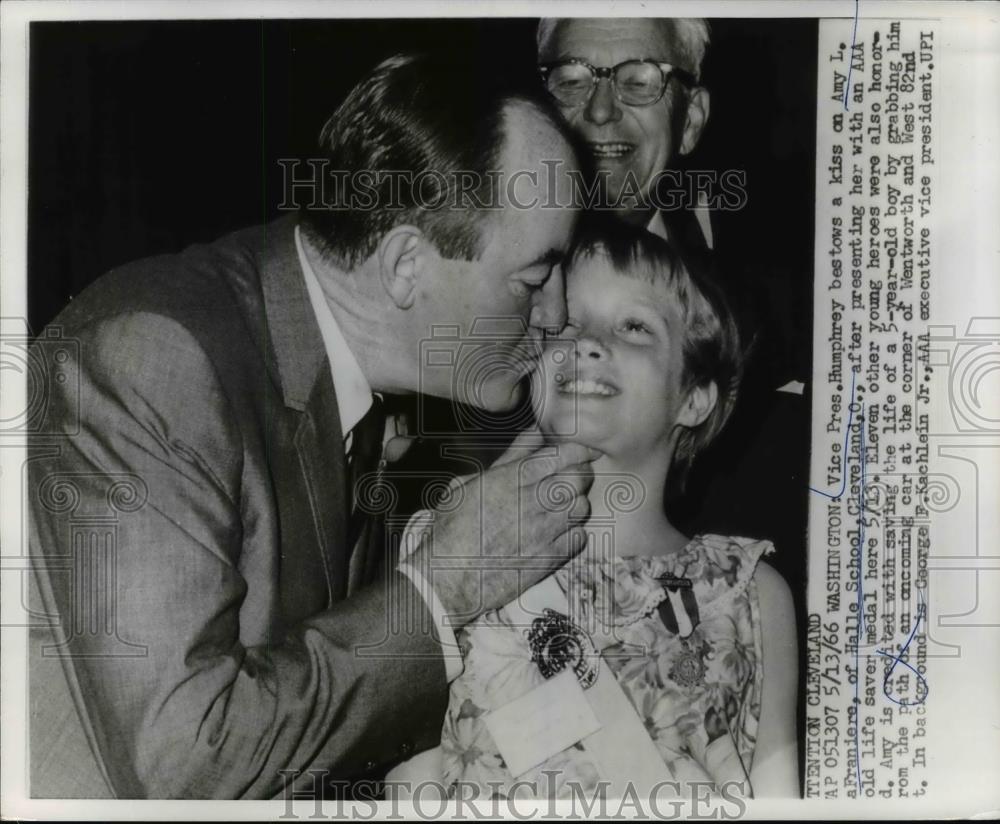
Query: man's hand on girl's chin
point(528, 442)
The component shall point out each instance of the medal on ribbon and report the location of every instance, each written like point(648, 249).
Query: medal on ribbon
point(689, 667)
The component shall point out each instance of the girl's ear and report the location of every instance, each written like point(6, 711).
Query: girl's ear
point(698, 405)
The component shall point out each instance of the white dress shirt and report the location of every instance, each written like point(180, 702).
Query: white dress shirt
point(354, 398)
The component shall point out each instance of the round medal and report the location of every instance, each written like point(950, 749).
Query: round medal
point(689, 667)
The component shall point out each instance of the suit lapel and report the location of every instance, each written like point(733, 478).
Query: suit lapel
point(320, 445)
point(291, 322)
point(307, 387)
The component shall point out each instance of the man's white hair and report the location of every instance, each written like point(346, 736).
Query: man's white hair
point(691, 35)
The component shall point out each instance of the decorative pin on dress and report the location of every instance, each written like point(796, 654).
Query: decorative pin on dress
point(556, 642)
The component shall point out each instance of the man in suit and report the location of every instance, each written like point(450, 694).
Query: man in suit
point(226, 617)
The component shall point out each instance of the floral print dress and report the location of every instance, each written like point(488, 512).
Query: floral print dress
point(680, 632)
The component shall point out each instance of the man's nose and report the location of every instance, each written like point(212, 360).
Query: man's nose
point(549, 312)
point(603, 106)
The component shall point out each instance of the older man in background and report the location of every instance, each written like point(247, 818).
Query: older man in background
point(630, 89)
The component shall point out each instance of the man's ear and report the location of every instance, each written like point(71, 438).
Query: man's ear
point(402, 258)
point(698, 405)
point(695, 119)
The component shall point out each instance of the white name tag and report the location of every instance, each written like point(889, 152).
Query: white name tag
point(539, 724)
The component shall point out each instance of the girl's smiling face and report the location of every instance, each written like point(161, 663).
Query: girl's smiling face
point(614, 379)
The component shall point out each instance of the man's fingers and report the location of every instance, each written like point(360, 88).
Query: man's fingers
point(583, 473)
point(526, 442)
point(577, 453)
point(558, 493)
point(576, 539)
point(568, 455)
point(580, 511)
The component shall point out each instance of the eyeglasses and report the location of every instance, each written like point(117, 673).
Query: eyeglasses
point(634, 82)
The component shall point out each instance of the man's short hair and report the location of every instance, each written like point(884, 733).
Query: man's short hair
point(692, 38)
point(413, 143)
point(713, 348)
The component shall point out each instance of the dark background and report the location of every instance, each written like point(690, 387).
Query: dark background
point(148, 136)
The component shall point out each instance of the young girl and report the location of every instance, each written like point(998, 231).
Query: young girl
point(697, 632)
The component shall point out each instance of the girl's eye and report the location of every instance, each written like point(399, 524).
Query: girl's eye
point(633, 325)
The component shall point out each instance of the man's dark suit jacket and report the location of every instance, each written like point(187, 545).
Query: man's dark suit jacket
point(188, 525)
